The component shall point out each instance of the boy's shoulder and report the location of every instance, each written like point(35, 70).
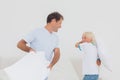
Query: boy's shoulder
point(86, 44)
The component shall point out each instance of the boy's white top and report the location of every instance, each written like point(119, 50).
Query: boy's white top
point(89, 58)
point(41, 39)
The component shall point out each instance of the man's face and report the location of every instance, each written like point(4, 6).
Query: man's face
point(56, 24)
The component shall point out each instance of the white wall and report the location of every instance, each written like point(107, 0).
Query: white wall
point(18, 17)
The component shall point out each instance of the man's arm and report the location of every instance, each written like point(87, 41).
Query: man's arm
point(55, 58)
point(22, 44)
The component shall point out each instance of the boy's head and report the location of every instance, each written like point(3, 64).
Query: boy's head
point(88, 37)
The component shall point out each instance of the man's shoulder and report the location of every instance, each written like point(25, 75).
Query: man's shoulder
point(38, 29)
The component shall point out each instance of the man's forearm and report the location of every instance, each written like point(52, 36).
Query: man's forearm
point(55, 58)
point(24, 48)
point(22, 45)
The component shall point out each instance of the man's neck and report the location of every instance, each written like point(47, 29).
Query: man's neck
point(48, 27)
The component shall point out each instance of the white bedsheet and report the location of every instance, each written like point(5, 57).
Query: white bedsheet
point(33, 66)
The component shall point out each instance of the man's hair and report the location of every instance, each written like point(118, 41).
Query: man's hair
point(54, 15)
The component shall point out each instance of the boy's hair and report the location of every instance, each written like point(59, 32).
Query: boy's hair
point(54, 15)
point(90, 35)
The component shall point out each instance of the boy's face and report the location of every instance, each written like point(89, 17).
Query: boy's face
point(86, 39)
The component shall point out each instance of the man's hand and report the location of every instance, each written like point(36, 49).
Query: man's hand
point(32, 50)
point(50, 66)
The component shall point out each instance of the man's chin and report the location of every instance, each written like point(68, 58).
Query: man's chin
point(56, 31)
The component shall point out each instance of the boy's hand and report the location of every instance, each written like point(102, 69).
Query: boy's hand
point(98, 62)
point(77, 44)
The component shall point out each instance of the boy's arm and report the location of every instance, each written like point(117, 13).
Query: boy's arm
point(77, 44)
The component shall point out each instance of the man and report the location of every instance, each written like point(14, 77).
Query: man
point(44, 39)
